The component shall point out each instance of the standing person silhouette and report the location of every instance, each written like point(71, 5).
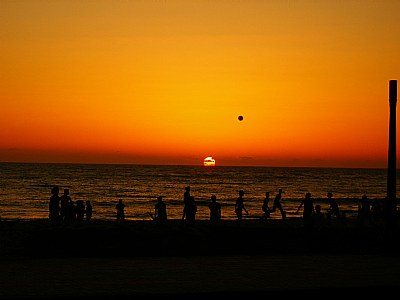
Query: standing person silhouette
point(278, 204)
point(160, 212)
point(64, 210)
point(215, 210)
point(80, 210)
point(71, 210)
point(191, 211)
point(265, 207)
point(239, 207)
point(319, 218)
point(186, 201)
point(88, 211)
point(54, 206)
point(190, 208)
point(308, 211)
point(120, 207)
point(364, 212)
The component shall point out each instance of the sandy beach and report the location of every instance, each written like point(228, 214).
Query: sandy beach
point(138, 259)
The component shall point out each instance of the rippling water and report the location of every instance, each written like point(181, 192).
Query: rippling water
point(25, 187)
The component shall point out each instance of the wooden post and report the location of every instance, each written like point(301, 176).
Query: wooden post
point(392, 168)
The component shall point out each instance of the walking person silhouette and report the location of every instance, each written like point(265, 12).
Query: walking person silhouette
point(278, 204)
point(265, 207)
point(239, 207)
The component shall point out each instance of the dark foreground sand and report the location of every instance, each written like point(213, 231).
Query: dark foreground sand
point(138, 260)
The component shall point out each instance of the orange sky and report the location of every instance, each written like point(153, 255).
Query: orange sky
point(163, 82)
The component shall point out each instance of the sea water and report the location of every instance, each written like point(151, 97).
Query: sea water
point(25, 188)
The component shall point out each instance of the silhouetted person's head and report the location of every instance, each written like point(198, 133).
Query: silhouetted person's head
point(241, 193)
point(120, 201)
point(55, 190)
point(187, 188)
point(267, 194)
point(213, 198)
point(66, 191)
point(280, 191)
point(160, 198)
point(329, 195)
point(308, 195)
point(318, 208)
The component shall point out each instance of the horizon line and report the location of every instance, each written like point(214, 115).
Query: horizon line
point(189, 165)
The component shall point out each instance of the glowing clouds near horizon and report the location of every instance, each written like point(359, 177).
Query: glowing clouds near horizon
point(209, 161)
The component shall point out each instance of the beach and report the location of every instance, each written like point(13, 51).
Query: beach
point(138, 259)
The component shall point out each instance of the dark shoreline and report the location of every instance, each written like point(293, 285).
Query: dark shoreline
point(136, 259)
point(99, 238)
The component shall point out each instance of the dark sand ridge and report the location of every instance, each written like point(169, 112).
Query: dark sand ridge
point(137, 259)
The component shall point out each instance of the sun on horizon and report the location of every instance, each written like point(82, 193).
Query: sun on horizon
point(209, 161)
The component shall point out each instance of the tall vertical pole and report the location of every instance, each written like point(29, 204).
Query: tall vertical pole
point(391, 175)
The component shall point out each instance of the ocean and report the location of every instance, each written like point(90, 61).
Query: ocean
point(25, 188)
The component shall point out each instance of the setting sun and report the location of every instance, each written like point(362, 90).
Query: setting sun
point(209, 161)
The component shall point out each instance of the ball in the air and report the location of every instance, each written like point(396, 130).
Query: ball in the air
point(240, 118)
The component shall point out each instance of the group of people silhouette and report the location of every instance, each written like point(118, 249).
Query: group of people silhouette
point(63, 209)
point(277, 205)
point(369, 213)
point(190, 208)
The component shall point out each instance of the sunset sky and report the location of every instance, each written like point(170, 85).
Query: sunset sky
point(163, 82)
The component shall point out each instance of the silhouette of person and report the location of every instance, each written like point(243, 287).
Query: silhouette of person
point(377, 209)
point(190, 208)
point(319, 218)
point(160, 212)
point(80, 210)
point(64, 210)
point(278, 204)
point(333, 209)
point(72, 210)
point(239, 207)
point(308, 210)
point(54, 206)
point(215, 210)
point(265, 207)
point(364, 211)
point(88, 211)
point(120, 207)
point(186, 194)
point(191, 211)
point(186, 200)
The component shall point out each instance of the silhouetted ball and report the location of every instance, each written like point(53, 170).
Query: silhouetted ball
point(240, 118)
